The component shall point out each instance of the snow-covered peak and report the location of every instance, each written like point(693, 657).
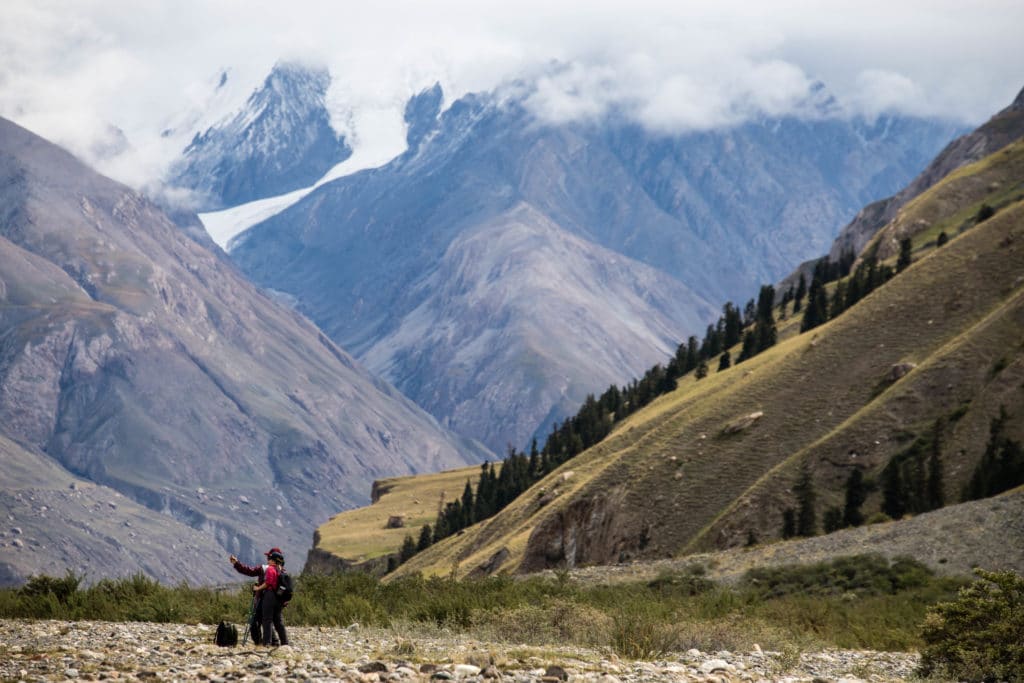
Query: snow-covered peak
point(281, 140)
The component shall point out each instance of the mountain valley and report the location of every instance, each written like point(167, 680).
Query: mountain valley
point(369, 257)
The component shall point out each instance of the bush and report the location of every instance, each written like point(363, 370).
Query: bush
point(61, 589)
point(559, 621)
point(980, 635)
point(984, 213)
point(868, 574)
point(639, 633)
point(690, 583)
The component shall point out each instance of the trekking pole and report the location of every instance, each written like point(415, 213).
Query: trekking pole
point(248, 621)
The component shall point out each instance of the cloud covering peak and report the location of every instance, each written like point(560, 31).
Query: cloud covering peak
point(120, 83)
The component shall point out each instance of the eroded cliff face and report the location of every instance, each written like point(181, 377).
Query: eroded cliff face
point(591, 530)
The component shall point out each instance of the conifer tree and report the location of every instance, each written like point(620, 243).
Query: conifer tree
point(407, 550)
point(856, 494)
point(788, 523)
point(426, 538)
point(724, 361)
point(801, 292)
point(712, 344)
point(733, 327)
point(692, 354)
point(441, 530)
point(1001, 466)
point(833, 520)
point(749, 313)
point(806, 521)
point(936, 497)
point(838, 304)
point(702, 370)
point(467, 506)
point(905, 259)
point(817, 306)
point(749, 349)
point(766, 330)
point(893, 501)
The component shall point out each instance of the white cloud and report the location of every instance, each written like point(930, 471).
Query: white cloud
point(70, 70)
point(881, 91)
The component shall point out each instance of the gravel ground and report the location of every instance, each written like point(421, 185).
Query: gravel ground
point(60, 650)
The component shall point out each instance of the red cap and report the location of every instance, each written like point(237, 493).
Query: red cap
point(272, 551)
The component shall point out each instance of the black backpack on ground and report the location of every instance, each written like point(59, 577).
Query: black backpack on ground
point(227, 635)
point(285, 586)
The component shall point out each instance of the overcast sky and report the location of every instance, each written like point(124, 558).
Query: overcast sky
point(71, 70)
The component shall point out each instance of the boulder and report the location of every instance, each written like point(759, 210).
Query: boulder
point(741, 423)
point(900, 370)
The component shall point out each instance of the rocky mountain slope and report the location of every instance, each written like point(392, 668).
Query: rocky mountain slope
point(133, 358)
point(999, 131)
point(281, 140)
point(659, 226)
point(951, 541)
point(677, 478)
point(55, 521)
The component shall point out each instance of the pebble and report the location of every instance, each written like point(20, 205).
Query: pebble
point(94, 651)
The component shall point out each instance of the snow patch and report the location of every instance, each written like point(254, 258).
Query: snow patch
point(376, 136)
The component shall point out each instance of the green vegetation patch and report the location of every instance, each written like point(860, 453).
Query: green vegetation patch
point(858, 602)
point(980, 635)
point(862, 575)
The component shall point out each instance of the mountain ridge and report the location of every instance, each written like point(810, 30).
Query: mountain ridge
point(135, 358)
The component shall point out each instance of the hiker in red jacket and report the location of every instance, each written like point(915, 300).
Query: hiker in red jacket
point(271, 604)
point(259, 571)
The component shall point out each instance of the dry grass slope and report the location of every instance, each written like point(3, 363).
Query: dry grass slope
point(362, 534)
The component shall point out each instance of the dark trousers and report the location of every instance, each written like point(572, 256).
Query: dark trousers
point(271, 613)
point(256, 622)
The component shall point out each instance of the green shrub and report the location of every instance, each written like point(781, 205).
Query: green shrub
point(868, 574)
point(878, 518)
point(984, 213)
point(980, 635)
point(61, 589)
point(690, 583)
point(639, 632)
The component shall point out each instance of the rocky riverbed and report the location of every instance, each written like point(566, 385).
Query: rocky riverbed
point(60, 650)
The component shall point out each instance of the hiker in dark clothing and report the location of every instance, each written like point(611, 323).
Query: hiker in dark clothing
point(259, 571)
point(271, 605)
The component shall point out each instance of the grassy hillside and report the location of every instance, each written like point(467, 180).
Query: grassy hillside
point(362, 535)
point(678, 477)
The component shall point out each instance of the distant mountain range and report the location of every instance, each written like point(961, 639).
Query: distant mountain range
point(502, 268)
point(154, 404)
